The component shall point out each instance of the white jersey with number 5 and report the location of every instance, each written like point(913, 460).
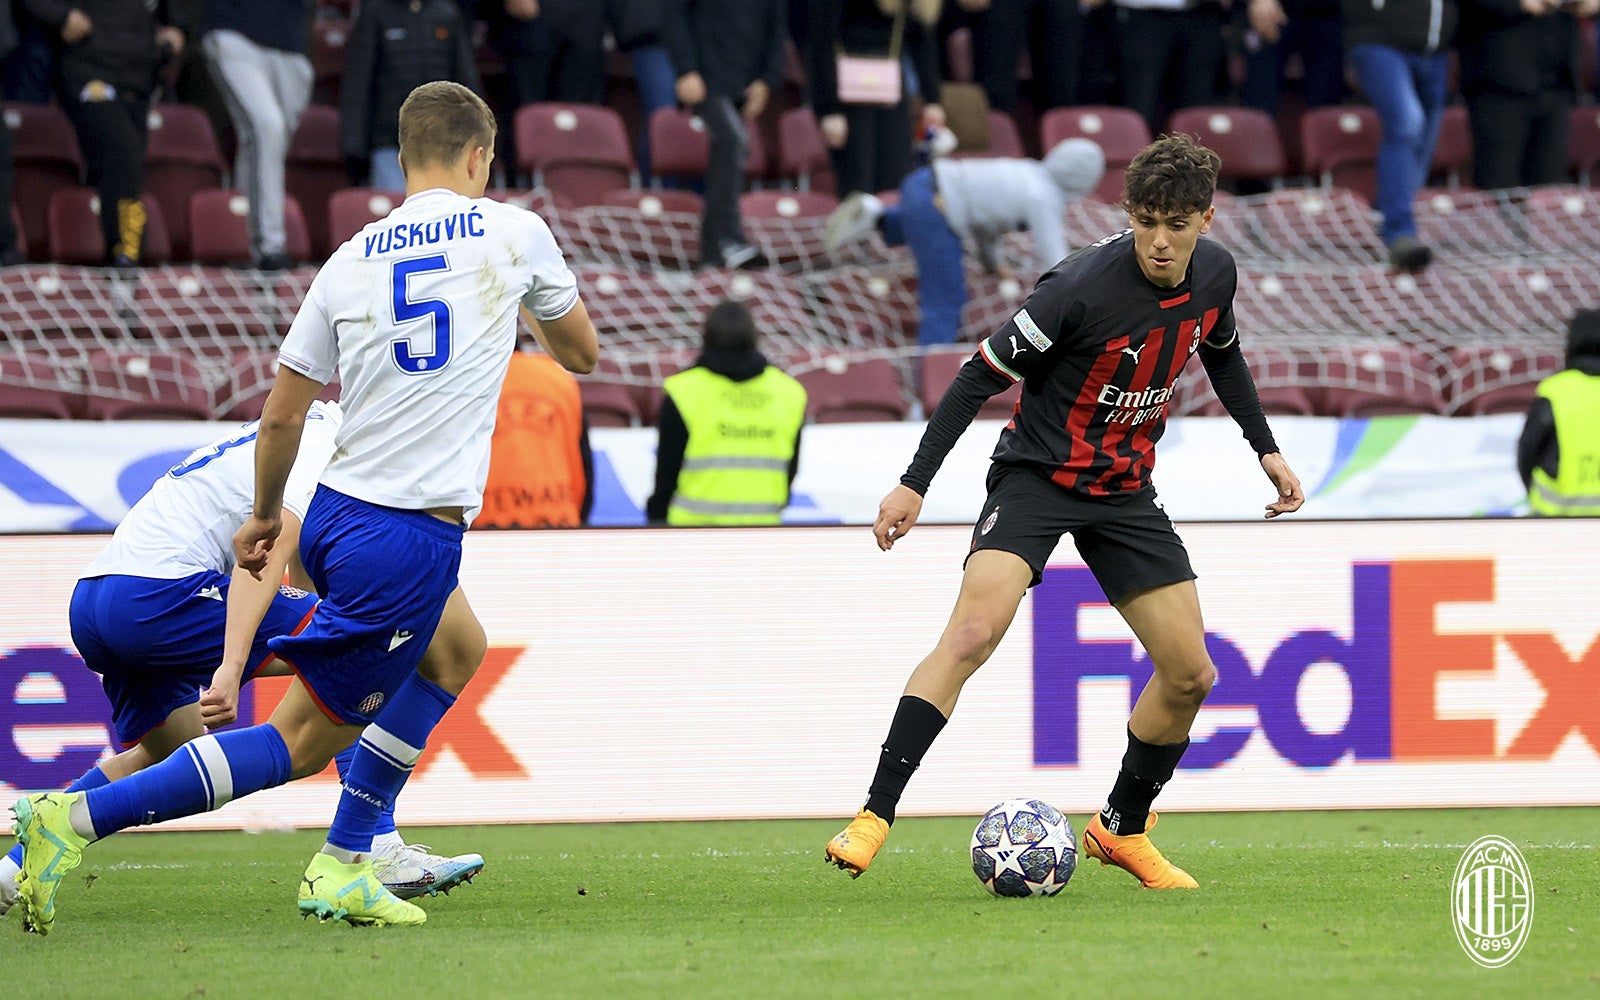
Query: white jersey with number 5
point(185, 524)
point(417, 317)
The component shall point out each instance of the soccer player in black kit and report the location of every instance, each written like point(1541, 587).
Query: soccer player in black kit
point(1097, 346)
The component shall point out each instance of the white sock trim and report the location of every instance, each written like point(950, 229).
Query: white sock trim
point(390, 748)
point(215, 771)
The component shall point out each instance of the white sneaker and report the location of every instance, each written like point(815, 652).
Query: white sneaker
point(412, 870)
point(855, 219)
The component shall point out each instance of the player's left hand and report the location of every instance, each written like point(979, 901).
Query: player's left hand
point(219, 703)
point(253, 541)
point(1290, 496)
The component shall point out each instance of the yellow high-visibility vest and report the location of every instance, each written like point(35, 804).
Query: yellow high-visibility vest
point(741, 441)
point(1575, 489)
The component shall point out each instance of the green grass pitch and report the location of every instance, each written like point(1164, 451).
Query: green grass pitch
point(1292, 905)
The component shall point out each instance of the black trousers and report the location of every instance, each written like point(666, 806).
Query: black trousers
point(8, 185)
point(558, 56)
point(1519, 141)
point(1053, 30)
point(112, 132)
point(1169, 59)
point(877, 150)
point(729, 155)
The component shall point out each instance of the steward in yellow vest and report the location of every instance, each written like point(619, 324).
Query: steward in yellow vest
point(729, 440)
point(1559, 452)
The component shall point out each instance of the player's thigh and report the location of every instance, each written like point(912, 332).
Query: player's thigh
point(1168, 624)
point(310, 734)
point(458, 646)
point(183, 724)
point(992, 588)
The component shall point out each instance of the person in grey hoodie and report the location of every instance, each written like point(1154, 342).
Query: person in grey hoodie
point(944, 206)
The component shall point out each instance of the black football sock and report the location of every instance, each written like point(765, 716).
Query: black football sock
point(916, 725)
point(1145, 768)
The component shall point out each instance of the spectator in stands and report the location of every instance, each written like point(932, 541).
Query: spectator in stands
point(1169, 53)
point(111, 51)
point(952, 202)
point(10, 253)
point(729, 442)
point(868, 129)
point(395, 47)
point(636, 28)
point(729, 58)
point(554, 50)
point(255, 50)
point(541, 470)
point(28, 70)
point(1558, 454)
point(1053, 30)
point(1398, 49)
point(1520, 75)
point(1276, 29)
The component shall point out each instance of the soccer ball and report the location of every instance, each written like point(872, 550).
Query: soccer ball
point(1024, 847)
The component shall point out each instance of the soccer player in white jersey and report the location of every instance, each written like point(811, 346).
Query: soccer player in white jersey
point(148, 616)
point(417, 315)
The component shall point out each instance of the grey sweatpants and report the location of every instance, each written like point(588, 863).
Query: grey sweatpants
point(266, 90)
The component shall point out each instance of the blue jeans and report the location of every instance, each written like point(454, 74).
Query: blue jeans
point(657, 82)
point(1408, 91)
point(385, 173)
point(941, 278)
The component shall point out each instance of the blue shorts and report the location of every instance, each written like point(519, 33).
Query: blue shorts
point(156, 643)
point(384, 575)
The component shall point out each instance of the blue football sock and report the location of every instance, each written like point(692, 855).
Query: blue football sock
point(343, 760)
point(200, 776)
point(92, 778)
point(385, 754)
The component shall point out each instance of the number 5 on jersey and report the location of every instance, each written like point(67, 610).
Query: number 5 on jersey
point(406, 357)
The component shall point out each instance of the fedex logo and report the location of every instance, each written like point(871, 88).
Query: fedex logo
point(1392, 655)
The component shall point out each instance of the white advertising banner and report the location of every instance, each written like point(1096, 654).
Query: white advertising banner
point(58, 475)
point(687, 674)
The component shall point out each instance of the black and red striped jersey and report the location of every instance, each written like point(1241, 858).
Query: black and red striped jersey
point(1099, 348)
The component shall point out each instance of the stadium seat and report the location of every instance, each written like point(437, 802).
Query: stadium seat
point(657, 229)
point(1373, 380)
point(609, 404)
point(537, 201)
point(350, 210)
point(221, 233)
point(1120, 132)
point(802, 155)
point(786, 205)
point(328, 38)
point(1339, 147)
point(145, 385)
point(32, 389)
point(1323, 227)
point(879, 303)
point(841, 391)
point(251, 372)
point(939, 368)
point(1497, 378)
point(1246, 139)
point(314, 170)
point(46, 156)
point(651, 204)
point(1583, 143)
point(181, 158)
point(1461, 223)
point(1563, 219)
point(75, 233)
point(1452, 154)
point(680, 146)
point(580, 152)
point(958, 55)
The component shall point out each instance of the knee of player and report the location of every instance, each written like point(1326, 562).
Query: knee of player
point(973, 638)
point(1192, 682)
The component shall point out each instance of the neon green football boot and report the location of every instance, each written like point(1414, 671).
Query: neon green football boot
point(352, 893)
point(50, 849)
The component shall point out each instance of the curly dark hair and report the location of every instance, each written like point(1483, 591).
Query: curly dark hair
point(1174, 174)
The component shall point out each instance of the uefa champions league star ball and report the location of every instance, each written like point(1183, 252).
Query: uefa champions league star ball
point(1024, 847)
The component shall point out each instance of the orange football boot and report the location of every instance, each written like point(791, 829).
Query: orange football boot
point(857, 844)
point(1135, 855)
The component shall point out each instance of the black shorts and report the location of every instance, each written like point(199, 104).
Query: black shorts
point(1127, 541)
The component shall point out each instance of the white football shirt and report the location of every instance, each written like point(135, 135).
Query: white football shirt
point(185, 524)
point(417, 317)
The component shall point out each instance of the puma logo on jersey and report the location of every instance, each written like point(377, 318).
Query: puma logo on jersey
point(1016, 348)
point(400, 638)
point(1134, 352)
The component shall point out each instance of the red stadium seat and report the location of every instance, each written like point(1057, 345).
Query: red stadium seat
point(609, 404)
point(651, 204)
point(1120, 132)
point(681, 147)
point(134, 385)
point(182, 158)
point(328, 39)
point(1452, 154)
point(76, 236)
point(314, 170)
point(580, 152)
point(1246, 139)
point(350, 210)
point(958, 55)
point(251, 372)
point(1378, 379)
point(221, 234)
point(787, 205)
point(37, 390)
point(1339, 145)
point(45, 151)
point(841, 391)
point(1502, 378)
point(1562, 219)
point(802, 155)
point(1583, 143)
point(940, 367)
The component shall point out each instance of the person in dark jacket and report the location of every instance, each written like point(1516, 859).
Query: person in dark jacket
point(1274, 30)
point(1398, 49)
point(871, 144)
point(636, 28)
point(553, 49)
point(1520, 75)
point(729, 59)
point(1566, 481)
point(395, 47)
point(1050, 29)
point(111, 52)
point(9, 251)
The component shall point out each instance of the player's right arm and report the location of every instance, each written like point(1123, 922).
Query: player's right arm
point(249, 597)
point(552, 306)
point(570, 339)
